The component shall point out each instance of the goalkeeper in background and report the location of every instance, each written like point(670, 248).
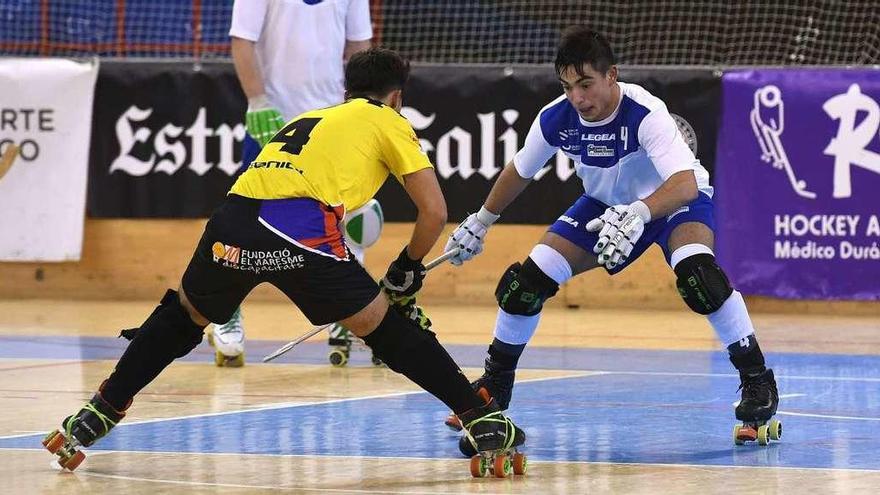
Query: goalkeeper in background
point(289, 57)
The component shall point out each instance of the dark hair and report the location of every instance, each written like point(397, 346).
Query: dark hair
point(581, 45)
point(375, 72)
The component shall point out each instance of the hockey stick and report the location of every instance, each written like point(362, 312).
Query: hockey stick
point(315, 331)
point(7, 159)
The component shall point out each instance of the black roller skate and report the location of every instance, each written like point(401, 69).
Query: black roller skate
point(498, 380)
point(760, 399)
point(494, 440)
point(82, 429)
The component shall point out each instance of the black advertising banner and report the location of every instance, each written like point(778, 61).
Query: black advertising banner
point(167, 139)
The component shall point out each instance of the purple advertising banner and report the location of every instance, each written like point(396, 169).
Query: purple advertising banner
point(798, 183)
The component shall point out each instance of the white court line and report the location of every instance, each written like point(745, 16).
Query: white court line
point(292, 405)
point(827, 416)
point(579, 374)
point(730, 375)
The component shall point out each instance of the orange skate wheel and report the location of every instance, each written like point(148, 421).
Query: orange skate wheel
point(519, 463)
point(746, 433)
point(501, 466)
point(73, 461)
point(53, 441)
point(478, 466)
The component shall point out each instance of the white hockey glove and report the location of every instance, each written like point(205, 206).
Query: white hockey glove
point(620, 227)
point(469, 235)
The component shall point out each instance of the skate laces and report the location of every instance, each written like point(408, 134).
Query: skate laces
point(231, 326)
point(101, 416)
point(754, 387)
point(494, 417)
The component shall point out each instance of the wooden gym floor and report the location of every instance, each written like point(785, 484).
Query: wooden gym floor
point(612, 402)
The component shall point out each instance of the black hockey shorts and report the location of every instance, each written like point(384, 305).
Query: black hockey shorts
point(294, 244)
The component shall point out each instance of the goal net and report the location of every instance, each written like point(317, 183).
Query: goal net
point(642, 32)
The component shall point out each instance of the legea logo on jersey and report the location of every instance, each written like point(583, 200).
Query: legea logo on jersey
point(168, 152)
point(599, 137)
point(848, 146)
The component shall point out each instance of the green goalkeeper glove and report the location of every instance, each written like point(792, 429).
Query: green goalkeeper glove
point(261, 120)
point(406, 306)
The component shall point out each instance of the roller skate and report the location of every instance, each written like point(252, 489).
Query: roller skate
point(92, 422)
point(498, 380)
point(228, 342)
point(341, 342)
point(756, 409)
point(494, 441)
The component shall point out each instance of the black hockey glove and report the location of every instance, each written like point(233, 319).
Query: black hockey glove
point(404, 276)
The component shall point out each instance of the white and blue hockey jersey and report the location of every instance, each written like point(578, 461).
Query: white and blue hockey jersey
point(620, 159)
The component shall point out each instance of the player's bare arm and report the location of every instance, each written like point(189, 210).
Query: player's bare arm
point(352, 47)
point(424, 190)
point(244, 58)
point(678, 190)
point(507, 187)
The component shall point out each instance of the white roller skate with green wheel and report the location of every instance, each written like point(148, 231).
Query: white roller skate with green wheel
point(228, 342)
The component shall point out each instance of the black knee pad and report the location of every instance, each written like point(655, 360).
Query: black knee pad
point(396, 340)
point(523, 289)
point(172, 320)
point(701, 283)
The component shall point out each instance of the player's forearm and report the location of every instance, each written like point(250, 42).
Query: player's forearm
point(244, 58)
point(352, 47)
point(429, 226)
point(678, 190)
point(508, 186)
point(424, 190)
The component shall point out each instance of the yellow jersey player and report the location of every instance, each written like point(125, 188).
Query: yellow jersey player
point(289, 59)
point(280, 224)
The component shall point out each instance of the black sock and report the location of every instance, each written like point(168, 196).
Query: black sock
point(168, 333)
point(746, 356)
point(415, 353)
point(507, 355)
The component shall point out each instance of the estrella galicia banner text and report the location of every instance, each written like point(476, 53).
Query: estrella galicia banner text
point(167, 140)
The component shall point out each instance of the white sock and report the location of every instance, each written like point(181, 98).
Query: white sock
point(731, 321)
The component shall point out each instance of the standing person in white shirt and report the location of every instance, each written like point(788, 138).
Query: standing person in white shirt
point(642, 185)
point(289, 57)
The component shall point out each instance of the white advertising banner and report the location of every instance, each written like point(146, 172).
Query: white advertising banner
point(46, 113)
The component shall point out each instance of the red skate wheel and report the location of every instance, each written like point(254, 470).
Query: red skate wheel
point(501, 467)
point(478, 466)
point(519, 463)
point(53, 441)
point(74, 461)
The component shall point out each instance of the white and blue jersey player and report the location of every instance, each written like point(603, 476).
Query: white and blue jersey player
point(642, 185)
